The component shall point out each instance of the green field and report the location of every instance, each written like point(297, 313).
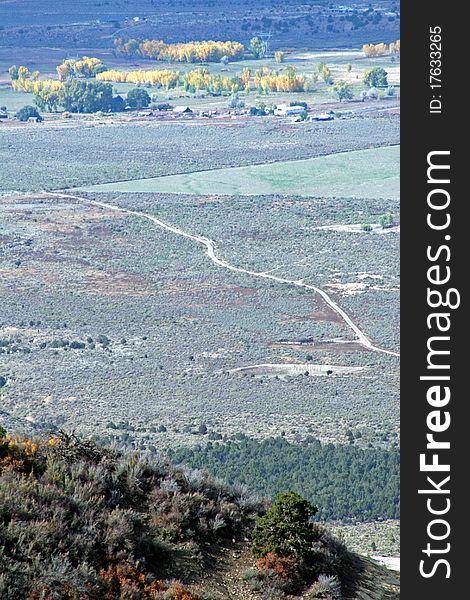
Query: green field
point(14, 100)
point(372, 173)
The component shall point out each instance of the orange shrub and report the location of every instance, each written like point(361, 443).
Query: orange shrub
point(16, 454)
point(123, 576)
point(283, 567)
point(178, 592)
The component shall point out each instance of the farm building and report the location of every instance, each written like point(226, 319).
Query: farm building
point(285, 111)
point(321, 117)
point(182, 110)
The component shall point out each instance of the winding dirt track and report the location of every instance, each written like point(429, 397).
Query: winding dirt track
point(210, 247)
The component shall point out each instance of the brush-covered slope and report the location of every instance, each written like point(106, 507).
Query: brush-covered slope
point(78, 521)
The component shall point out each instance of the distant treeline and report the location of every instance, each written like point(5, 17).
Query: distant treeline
point(381, 49)
point(347, 483)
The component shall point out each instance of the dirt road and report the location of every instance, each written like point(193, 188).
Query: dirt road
point(210, 247)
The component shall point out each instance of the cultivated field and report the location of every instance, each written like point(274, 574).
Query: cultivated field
point(369, 173)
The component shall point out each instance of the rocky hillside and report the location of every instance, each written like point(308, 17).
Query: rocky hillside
point(294, 23)
point(78, 521)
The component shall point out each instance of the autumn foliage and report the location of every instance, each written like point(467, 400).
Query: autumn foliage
point(282, 567)
point(165, 78)
point(84, 67)
point(201, 79)
point(16, 454)
point(289, 80)
point(381, 49)
point(22, 80)
point(123, 579)
point(190, 52)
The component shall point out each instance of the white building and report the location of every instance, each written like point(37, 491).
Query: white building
point(321, 117)
point(283, 110)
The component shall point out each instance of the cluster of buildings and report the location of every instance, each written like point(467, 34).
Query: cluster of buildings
point(298, 112)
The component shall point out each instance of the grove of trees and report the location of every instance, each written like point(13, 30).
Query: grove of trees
point(215, 85)
point(346, 482)
point(189, 52)
point(266, 80)
point(78, 96)
point(22, 80)
point(165, 78)
point(84, 67)
point(86, 96)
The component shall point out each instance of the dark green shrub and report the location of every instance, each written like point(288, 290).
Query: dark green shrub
point(386, 220)
point(27, 112)
point(138, 98)
point(76, 345)
point(286, 529)
point(375, 77)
